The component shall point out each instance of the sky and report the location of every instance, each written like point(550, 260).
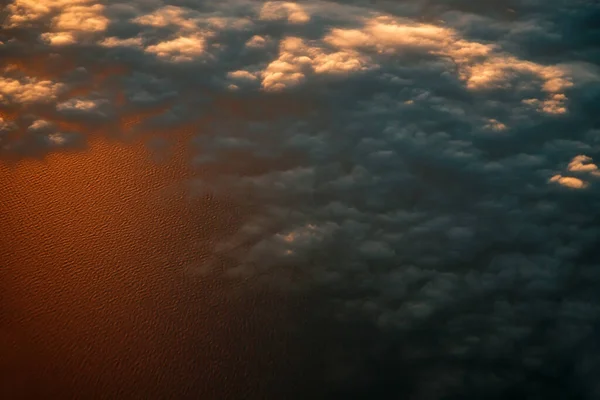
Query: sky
point(425, 170)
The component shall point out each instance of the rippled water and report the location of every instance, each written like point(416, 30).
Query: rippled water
point(95, 298)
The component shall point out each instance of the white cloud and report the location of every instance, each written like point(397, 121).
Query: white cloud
point(79, 105)
point(242, 75)
point(28, 90)
point(192, 31)
point(582, 163)
point(68, 18)
point(569, 181)
point(23, 12)
point(58, 38)
point(179, 17)
point(480, 66)
point(57, 139)
point(6, 125)
point(117, 42)
point(297, 56)
point(39, 125)
point(181, 49)
point(86, 18)
point(495, 125)
point(256, 41)
point(294, 13)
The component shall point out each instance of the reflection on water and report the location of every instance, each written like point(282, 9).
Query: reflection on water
point(94, 301)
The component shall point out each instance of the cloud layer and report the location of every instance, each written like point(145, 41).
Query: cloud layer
point(425, 168)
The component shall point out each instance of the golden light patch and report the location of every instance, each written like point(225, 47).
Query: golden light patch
point(569, 181)
point(580, 165)
point(180, 49)
point(481, 66)
point(293, 13)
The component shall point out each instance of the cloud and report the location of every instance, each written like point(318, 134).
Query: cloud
point(256, 41)
point(78, 104)
point(420, 168)
point(81, 19)
point(582, 163)
point(181, 18)
point(283, 10)
point(569, 181)
point(39, 124)
point(116, 42)
point(58, 38)
point(28, 90)
point(23, 12)
point(296, 56)
point(179, 49)
point(66, 19)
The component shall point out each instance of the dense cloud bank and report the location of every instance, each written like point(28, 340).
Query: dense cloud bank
point(429, 175)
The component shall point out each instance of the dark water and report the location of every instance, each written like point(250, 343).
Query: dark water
point(96, 296)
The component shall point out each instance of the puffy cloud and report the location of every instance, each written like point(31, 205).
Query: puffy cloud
point(256, 41)
point(67, 19)
point(569, 181)
point(81, 18)
point(179, 49)
point(480, 65)
point(39, 124)
point(57, 139)
point(242, 75)
point(117, 42)
point(191, 31)
point(6, 126)
point(23, 12)
point(28, 90)
point(282, 10)
point(495, 125)
point(582, 163)
point(58, 38)
point(296, 57)
point(78, 104)
point(179, 17)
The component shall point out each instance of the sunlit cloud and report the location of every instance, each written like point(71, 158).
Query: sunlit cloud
point(256, 41)
point(297, 57)
point(57, 139)
point(6, 126)
point(179, 17)
point(39, 124)
point(569, 181)
point(242, 75)
point(480, 66)
point(293, 13)
point(192, 31)
point(81, 19)
point(582, 163)
point(495, 125)
point(117, 42)
point(23, 12)
point(58, 38)
point(180, 49)
point(28, 90)
point(79, 105)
